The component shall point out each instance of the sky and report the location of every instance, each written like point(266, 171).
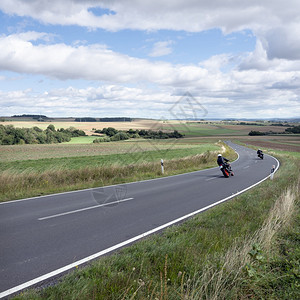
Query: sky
point(157, 59)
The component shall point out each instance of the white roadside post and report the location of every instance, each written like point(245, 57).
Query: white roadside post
point(272, 172)
point(162, 166)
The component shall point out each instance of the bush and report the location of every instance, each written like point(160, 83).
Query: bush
point(9, 135)
point(295, 129)
point(101, 140)
point(110, 131)
point(120, 136)
point(252, 133)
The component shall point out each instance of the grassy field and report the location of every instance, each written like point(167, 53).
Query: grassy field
point(87, 126)
point(121, 158)
point(32, 177)
point(188, 128)
point(81, 140)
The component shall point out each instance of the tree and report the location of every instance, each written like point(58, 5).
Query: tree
point(110, 131)
point(51, 127)
point(120, 136)
point(295, 129)
point(252, 133)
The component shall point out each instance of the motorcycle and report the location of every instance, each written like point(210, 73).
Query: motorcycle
point(260, 155)
point(226, 170)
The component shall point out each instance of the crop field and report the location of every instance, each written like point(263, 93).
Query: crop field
point(31, 170)
point(87, 127)
point(281, 142)
point(74, 149)
point(219, 129)
point(122, 157)
point(80, 163)
point(188, 128)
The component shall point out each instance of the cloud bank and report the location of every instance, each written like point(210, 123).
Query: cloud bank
point(266, 80)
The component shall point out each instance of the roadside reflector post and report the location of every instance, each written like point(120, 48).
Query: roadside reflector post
point(162, 166)
point(272, 172)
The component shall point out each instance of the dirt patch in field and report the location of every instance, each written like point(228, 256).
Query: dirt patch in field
point(87, 127)
point(256, 128)
point(274, 145)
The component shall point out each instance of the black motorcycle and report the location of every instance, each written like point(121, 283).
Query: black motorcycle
point(226, 170)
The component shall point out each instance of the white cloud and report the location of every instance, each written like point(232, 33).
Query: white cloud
point(92, 62)
point(118, 100)
point(271, 21)
point(161, 49)
point(258, 84)
point(262, 80)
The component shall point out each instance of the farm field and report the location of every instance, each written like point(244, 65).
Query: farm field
point(74, 149)
point(31, 170)
point(87, 127)
point(121, 157)
point(280, 142)
point(80, 163)
point(188, 128)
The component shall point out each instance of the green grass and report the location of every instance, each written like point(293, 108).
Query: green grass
point(72, 163)
point(34, 152)
point(81, 140)
point(195, 260)
point(196, 130)
point(29, 178)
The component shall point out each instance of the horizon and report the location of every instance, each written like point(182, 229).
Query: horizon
point(296, 119)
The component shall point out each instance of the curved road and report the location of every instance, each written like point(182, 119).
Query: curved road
point(44, 236)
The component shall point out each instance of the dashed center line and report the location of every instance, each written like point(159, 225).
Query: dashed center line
point(211, 178)
point(83, 209)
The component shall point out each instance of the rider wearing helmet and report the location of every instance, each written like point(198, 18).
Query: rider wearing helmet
point(221, 160)
point(259, 152)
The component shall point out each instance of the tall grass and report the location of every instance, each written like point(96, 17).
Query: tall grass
point(15, 184)
point(227, 279)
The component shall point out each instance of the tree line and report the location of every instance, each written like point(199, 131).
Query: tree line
point(115, 119)
point(294, 129)
point(112, 134)
point(10, 135)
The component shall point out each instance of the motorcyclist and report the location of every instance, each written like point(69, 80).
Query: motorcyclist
point(259, 152)
point(221, 160)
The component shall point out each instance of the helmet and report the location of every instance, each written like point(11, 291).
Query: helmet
point(219, 154)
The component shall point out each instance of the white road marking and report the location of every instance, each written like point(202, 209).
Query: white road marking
point(246, 167)
point(83, 209)
point(210, 178)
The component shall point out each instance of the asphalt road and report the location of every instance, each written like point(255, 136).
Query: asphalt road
point(54, 233)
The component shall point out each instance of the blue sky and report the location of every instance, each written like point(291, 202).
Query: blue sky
point(138, 58)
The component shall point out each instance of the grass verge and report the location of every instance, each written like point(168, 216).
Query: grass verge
point(247, 248)
point(32, 181)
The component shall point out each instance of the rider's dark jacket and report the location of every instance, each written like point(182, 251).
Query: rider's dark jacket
point(221, 160)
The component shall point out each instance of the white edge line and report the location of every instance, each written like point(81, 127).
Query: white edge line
point(110, 249)
point(83, 209)
point(107, 186)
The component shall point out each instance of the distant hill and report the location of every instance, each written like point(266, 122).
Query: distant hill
point(116, 119)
